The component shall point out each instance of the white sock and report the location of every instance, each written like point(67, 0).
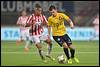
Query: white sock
point(27, 44)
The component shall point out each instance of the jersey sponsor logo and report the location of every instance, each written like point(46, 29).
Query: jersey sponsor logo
point(58, 39)
point(60, 17)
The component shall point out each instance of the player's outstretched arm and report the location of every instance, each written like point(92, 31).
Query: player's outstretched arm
point(68, 20)
point(70, 23)
point(49, 30)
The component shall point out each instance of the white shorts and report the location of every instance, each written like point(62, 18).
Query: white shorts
point(25, 34)
point(37, 38)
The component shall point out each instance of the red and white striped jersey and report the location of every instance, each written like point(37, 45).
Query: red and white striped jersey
point(39, 21)
point(22, 20)
point(96, 24)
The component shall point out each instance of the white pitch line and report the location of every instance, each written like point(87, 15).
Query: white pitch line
point(44, 52)
point(12, 47)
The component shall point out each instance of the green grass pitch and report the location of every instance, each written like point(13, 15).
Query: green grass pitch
point(12, 55)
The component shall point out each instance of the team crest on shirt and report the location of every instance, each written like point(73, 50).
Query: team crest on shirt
point(60, 17)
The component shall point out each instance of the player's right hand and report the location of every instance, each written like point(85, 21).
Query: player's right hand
point(48, 40)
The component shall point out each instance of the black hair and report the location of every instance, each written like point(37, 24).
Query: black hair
point(52, 7)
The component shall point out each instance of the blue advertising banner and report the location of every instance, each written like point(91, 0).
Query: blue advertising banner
point(13, 33)
point(10, 33)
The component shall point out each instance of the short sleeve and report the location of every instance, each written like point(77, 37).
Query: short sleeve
point(19, 20)
point(49, 21)
point(29, 20)
point(65, 17)
point(45, 20)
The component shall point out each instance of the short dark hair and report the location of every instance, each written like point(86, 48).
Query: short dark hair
point(37, 6)
point(52, 7)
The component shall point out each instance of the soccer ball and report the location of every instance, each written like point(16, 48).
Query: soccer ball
point(61, 59)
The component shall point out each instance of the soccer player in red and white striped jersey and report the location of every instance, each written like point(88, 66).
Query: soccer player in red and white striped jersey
point(96, 25)
point(37, 21)
point(24, 31)
point(96, 28)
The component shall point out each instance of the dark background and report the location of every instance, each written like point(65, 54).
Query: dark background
point(81, 12)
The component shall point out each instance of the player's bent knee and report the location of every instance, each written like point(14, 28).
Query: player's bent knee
point(38, 45)
point(71, 46)
point(65, 45)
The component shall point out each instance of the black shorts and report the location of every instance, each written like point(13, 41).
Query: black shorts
point(61, 39)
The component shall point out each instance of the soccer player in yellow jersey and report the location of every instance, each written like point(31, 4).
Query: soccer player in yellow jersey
point(56, 22)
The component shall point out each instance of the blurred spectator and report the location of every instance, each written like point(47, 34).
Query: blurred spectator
point(96, 27)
